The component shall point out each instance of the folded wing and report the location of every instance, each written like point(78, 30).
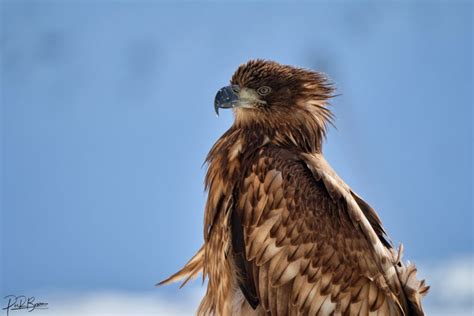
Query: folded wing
point(304, 243)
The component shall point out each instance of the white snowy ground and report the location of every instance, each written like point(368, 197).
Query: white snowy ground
point(452, 293)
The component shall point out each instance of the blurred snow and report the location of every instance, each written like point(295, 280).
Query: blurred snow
point(452, 286)
point(451, 293)
point(112, 303)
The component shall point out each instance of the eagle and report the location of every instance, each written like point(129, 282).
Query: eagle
point(283, 233)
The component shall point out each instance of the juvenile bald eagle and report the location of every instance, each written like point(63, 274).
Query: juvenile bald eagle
point(283, 234)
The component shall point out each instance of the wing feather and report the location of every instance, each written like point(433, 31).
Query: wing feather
point(313, 244)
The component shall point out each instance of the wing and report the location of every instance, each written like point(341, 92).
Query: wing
point(309, 248)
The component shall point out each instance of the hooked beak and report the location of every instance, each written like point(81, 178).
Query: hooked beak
point(226, 98)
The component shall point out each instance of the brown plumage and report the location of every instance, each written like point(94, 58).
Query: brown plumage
point(283, 234)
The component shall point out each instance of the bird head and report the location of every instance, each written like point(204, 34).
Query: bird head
point(273, 96)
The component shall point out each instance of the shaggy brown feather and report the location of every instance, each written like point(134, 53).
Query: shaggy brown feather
point(283, 234)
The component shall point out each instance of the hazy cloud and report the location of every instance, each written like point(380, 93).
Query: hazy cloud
point(451, 293)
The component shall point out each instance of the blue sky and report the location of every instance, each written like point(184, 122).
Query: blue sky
point(107, 115)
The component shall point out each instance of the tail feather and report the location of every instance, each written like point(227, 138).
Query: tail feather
point(190, 271)
point(414, 289)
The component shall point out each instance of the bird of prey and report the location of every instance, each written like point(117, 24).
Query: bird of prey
point(283, 234)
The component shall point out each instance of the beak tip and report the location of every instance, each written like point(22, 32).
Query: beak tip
point(225, 98)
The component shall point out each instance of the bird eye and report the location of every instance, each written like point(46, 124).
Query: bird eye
point(264, 90)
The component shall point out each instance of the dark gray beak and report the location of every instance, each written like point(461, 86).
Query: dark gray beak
point(226, 98)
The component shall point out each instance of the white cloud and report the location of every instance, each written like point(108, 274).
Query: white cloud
point(451, 293)
point(452, 286)
point(112, 303)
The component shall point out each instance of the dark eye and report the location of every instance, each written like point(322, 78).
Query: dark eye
point(264, 90)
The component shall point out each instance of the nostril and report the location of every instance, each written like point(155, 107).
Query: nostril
point(235, 89)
